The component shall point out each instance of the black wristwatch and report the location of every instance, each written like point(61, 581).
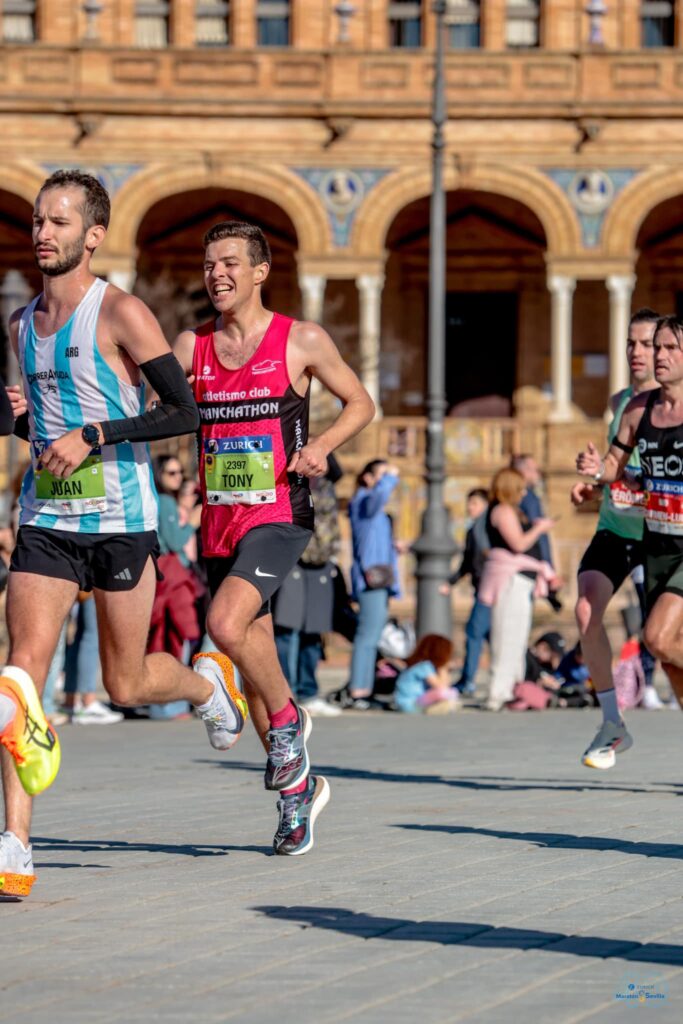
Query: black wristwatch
point(91, 435)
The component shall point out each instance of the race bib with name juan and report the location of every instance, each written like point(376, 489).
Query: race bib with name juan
point(239, 470)
point(76, 495)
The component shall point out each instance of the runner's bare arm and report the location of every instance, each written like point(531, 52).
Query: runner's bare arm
point(183, 350)
point(313, 351)
point(584, 491)
point(589, 463)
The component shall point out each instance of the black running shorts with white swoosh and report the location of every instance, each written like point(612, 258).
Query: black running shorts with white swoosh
point(105, 561)
point(264, 557)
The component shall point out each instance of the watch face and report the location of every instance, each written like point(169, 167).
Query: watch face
point(91, 435)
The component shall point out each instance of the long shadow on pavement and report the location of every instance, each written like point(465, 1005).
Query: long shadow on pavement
point(41, 844)
point(501, 783)
point(560, 840)
point(468, 933)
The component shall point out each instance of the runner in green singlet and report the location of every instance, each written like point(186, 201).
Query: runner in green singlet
point(616, 549)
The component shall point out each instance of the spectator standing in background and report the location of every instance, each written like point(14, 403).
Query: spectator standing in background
point(175, 626)
point(479, 622)
point(304, 604)
point(82, 669)
point(532, 508)
point(509, 581)
point(374, 573)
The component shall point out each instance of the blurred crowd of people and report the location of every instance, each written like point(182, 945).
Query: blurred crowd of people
point(506, 555)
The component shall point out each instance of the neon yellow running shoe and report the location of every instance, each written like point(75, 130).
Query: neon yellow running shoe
point(29, 737)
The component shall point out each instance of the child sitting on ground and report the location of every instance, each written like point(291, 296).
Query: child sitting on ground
point(425, 682)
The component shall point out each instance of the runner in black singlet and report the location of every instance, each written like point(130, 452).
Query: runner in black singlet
point(653, 421)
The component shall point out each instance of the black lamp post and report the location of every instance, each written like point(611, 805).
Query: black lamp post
point(435, 548)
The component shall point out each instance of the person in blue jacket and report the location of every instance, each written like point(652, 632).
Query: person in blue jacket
point(374, 572)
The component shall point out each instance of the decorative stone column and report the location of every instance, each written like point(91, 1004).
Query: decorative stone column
point(620, 288)
point(562, 293)
point(370, 294)
point(313, 295)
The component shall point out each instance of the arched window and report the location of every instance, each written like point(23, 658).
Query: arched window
point(18, 21)
point(464, 24)
point(151, 23)
point(522, 23)
point(212, 22)
point(657, 22)
point(272, 21)
point(405, 23)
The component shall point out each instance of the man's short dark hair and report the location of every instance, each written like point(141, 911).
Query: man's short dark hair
point(369, 469)
point(672, 323)
point(645, 315)
point(257, 243)
point(96, 206)
point(478, 492)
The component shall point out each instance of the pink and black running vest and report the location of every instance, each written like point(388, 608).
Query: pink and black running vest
point(251, 423)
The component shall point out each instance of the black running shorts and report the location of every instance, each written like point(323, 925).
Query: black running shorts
point(106, 561)
point(264, 557)
point(615, 557)
point(663, 571)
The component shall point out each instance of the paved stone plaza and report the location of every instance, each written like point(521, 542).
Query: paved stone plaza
point(467, 868)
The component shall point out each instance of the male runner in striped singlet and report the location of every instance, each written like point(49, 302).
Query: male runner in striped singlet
point(252, 370)
point(88, 503)
point(653, 422)
point(616, 549)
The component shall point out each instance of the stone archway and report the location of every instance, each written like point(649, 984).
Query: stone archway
point(16, 251)
point(625, 218)
point(277, 185)
point(659, 267)
point(497, 305)
point(170, 253)
point(532, 189)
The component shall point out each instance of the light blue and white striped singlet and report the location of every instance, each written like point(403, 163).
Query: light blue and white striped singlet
point(67, 383)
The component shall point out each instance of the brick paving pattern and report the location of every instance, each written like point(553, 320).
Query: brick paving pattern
point(467, 869)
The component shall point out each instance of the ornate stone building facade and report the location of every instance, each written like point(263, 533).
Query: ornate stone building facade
point(564, 177)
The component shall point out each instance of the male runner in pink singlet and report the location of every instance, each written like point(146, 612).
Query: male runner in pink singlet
point(251, 371)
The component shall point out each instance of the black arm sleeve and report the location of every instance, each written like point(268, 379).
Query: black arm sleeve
point(175, 414)
point(6, 415)
point(21, 426)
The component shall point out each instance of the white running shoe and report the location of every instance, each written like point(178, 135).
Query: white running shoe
point(16, 866)
point(96, 713)
point(651, 701)
point(319, 708)
point(226, 712)
point(611, 739)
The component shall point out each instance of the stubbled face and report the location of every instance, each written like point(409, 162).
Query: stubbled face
point(640, 352)
point(668, 357)
point(229, 277)
point(59, 235)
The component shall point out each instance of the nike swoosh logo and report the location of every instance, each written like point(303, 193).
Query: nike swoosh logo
point(678, 444)
point(259, 573)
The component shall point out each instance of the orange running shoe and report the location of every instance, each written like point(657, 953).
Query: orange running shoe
point(29, 737)
point(16, 866)
point(225, 714)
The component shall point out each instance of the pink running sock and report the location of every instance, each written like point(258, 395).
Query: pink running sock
point(285, 716)
point(295, 789)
